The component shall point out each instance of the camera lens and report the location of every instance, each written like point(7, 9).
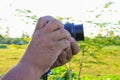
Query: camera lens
point(76, 31)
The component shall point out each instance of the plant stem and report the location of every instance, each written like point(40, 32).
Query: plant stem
point(81, 61)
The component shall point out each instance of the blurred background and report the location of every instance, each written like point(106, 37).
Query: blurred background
point(99, 58)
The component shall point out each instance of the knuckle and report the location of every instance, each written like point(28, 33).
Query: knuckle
point(66, 34)
point(66, 42)
point(54, 21)
point(59, 23)
point(41, 19)
point(48, 16)
point(53, 46)
point(62, 31)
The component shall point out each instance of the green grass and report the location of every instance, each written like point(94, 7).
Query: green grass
point(104, 64)
point(9, 57)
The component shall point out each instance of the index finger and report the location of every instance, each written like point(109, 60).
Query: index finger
point(42, 21)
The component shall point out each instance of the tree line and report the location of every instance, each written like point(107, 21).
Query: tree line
point(24, 39)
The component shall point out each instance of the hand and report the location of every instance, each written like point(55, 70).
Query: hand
point(66, 55)
point(48, 41)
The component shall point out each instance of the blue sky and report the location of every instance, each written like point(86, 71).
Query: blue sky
point(63, 8)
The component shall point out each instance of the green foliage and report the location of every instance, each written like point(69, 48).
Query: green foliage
point(27, 14)
point(108, 4)
point(3, 46)
point(110, 77)
point(119, 22)
point(98, 15)
point(24, 39)
point(61, 73)
point(19, 41)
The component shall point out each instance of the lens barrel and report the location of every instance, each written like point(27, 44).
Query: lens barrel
point(76, 31)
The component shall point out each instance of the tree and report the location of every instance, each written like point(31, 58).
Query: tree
point(25, 38)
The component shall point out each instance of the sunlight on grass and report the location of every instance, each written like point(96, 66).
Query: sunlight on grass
point(8, 58)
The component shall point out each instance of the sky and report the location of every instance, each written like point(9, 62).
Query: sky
point(62, 8)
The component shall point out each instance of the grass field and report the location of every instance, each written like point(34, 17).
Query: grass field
point(100, 64)
point(9, 57)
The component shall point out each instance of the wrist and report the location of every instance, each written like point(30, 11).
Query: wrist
point(31, 68)
point(23, 71)
point(38, 65)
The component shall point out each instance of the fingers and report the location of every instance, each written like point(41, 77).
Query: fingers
point(74, 46)
point(63, 44)
point(52, 22)
point(56, 64)
point(69, 54)
point(63, 58)
point(61, 34)
point(42, 21)
point(53, 25)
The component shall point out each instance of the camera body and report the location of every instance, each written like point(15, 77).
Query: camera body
point(76, 31)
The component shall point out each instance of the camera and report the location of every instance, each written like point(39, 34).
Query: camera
point(76, 30)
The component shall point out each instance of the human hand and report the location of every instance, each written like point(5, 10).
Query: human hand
point(48, 41)
point(66, 55)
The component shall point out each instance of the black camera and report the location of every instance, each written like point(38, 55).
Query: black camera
point(76, 31)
